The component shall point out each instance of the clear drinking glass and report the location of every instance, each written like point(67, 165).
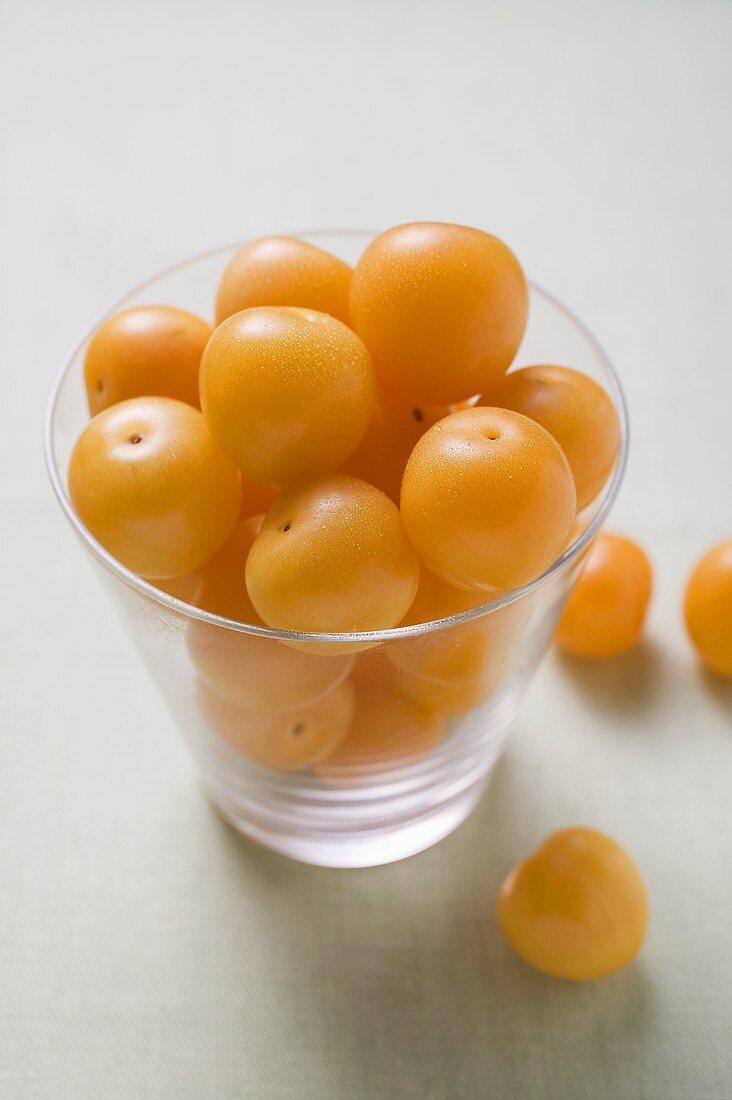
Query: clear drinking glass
point(378, 753)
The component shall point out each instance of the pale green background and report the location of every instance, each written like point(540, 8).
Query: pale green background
point(146, 952)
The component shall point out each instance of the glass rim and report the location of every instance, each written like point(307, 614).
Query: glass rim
point(571, 553)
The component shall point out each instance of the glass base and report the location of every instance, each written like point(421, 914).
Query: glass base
point(357, 847)
point(361, 817)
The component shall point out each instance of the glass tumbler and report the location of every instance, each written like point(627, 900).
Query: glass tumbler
point(344, 750)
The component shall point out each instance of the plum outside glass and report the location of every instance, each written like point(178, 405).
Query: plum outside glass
point(352, 815)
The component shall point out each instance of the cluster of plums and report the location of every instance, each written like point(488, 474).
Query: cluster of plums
point(344, 451)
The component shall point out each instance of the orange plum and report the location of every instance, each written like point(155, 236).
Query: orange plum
point(261, 674)
point(455, 667)
point(382, 454)
point(606, 610)
point(487, 499)
point(332, 556)
point(153, 487)
point(575, 410)
point(577, 908)
point(708, 608)
point(148, 351)
point(284, 271)
point(221, 587)
point(287, 393)
point(285, 741)
point(442, 309)
point(388, 731)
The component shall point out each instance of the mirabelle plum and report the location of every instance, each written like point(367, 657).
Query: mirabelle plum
point(332, 556)
point(436, 599)
point(153, 487)
point(441, 696)
point(286, 741)
point(372, 674)
point(442, 309)
point(262, 674)
point(218, 586)
point(221, 587)
point(452, 669)
point(708, 608)
point(606, 610)
point(387, 731)
point(255, 498)
point(284, 271)
point(442, 669)
point(184, 588)
point(148, 351)
point(572, 408)
point(287, 393)
point(577, 908)
point(390, 438)
point(487, 499)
